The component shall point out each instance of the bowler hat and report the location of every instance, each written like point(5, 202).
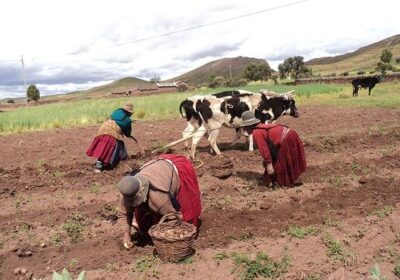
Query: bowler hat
point(135, 188)
point(128, 107)
point(248, 119)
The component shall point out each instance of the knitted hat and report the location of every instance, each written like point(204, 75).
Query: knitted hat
point(249, 119)
point(134, 188)
point(128, 107)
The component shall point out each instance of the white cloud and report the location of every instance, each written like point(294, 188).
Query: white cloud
point(71, 45)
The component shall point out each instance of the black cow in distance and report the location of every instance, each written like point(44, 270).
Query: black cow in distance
point(366, 82)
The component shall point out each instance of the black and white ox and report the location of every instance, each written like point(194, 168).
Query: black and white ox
point(207, 114)
point(366, 82)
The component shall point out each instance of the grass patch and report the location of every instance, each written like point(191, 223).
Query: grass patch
point(75, 226)
point(110, 266)
point(186, 260)
point(337, 251)
point(73, 262)
point(376, 273)
point(396, 270)
point(95, 189)
point(330, 221)
point(261, 266)
point(336, 181)
point(301, 232)
point(384, 212)
point(220, 256)
point(58, 174)
point(146, 265)
point(56, 239)
point(313, 277)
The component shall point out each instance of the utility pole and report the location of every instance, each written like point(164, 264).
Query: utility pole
point(230, 69)
point(23, 77)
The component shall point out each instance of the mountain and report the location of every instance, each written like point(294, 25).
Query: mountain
point(220, 67)
point(364, 58)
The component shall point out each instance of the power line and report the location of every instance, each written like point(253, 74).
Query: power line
point(202, 25)
point(185, 29)
point(9, 60)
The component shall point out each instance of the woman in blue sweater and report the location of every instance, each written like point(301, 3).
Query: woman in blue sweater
point(108, 146)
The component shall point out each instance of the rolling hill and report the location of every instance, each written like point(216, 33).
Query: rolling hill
point(364, 58)
point(220, 67)
point(118, 85)
point(196, 77)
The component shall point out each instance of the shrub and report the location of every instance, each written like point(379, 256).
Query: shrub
point(242, 82)
point(398, 60)
point(236, 82)
point(332, 75)
point(386, 56)
point(183, 87)
point(140, 114)
point(372, 72)
point(275, 77)
point(218, 81)
point(361, 72)
point(10, 101)
point(344, 74)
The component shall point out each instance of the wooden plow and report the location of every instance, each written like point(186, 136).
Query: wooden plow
point(172, 144)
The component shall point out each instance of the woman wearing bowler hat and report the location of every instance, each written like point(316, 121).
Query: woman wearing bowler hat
point(281, 149)
point(166, 184)
point(108, 146)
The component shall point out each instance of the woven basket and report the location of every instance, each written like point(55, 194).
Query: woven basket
point(169, 247)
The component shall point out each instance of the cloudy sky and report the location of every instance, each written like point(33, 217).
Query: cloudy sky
point(70, 45)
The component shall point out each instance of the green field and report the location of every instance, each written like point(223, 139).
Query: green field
point(94, 111)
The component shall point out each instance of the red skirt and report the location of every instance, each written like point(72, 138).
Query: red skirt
point(102, 148)
point(188, 196)
point(291, 161)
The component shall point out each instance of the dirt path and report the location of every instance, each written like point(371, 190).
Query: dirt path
point(353, 170)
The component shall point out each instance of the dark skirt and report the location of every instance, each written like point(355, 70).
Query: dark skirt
point(291, 162)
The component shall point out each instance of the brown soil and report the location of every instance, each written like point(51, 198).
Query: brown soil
point(47, 183)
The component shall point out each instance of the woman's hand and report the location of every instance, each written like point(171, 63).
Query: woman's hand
point(270, 169)
point(127, 240)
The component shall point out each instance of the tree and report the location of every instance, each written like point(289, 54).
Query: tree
point(386, 56)
point(384, 64)
point(33, 93)
point(257, 72)
point(292, 66)
point(155, 79)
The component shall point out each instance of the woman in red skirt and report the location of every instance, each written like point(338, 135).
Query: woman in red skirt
point(108, 146)
point(166, 184)
point(281, 149)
